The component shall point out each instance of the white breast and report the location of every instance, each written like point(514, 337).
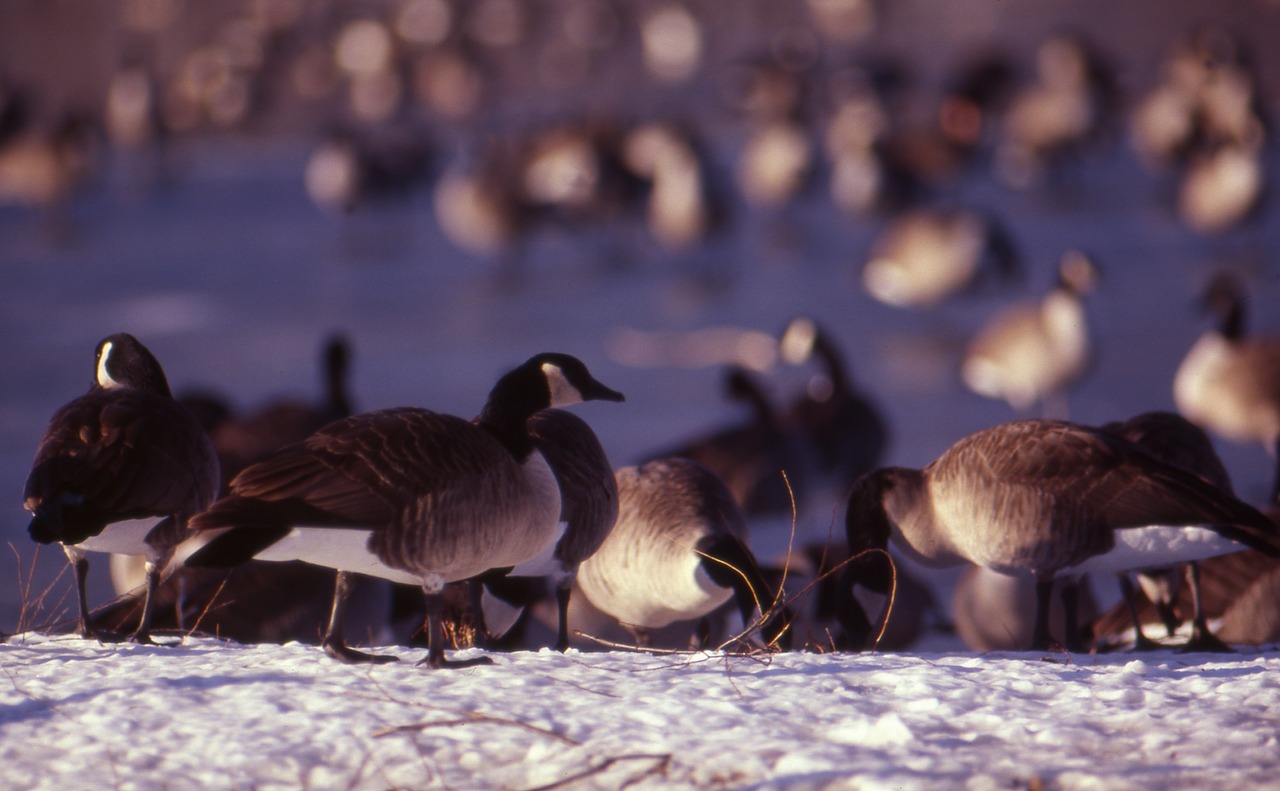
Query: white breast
point(334, 548)
point(1157, 546)
point(123, 538)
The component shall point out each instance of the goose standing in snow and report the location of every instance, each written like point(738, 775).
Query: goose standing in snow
point(1176, 440)
point(678, 552)
point(588, 505)
point(842, 424)
point(1050, 499)
point(122, 453)
point(1229, 383)
point(1031, 353)
point(408, 495)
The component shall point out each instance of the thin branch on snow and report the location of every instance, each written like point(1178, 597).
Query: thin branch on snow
point(663, 760)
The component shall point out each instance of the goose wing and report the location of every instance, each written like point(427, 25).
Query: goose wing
point(125, 453)
point(1114, 481)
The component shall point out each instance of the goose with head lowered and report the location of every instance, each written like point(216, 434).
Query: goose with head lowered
point(678, 552)
point(115, 460)
point(408, 495)
point(1050, 500)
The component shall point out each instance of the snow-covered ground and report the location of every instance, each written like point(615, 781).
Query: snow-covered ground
point(76, 714)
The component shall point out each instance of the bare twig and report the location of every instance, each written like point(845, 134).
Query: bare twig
point(474, 718)
point(662, 761)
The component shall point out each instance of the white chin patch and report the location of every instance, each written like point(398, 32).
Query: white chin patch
point(104, 377)
point(563, 393)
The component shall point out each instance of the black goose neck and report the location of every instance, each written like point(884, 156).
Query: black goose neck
point(515, 399)
point(830, 356)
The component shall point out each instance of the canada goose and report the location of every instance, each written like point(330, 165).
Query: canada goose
point(1222, 187)
point(1228, 383)
point(1068, 105)
point(677, 552)
point(408, 495)
point(751, 458)
point(349, 169)
point(125, 451)
point(1238, 592)
point(996, 612)
point(41, 169)
point(1174, 439)
point(215, 596)
point(843, 425)
point(1030, 353)
point(685, 205)
point(588, 503)
point(925, 256)
point(1050, 499)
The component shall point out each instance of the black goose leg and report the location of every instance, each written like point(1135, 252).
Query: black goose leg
point(1071, 617)
point(80, 565)
point(563, 588)
point(1201, 638)
point(475, 594)
point(1040, 635)
point(1140, 641)
point(436, 638)
point(334, 642)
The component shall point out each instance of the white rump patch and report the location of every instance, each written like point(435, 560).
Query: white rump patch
point(104, 377)
point(122, 538)
point(1157, 546)
point(563, 393)
point(335, 548)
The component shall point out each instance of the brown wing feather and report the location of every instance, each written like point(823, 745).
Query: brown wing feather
point(1116, 482)
point(125, 453)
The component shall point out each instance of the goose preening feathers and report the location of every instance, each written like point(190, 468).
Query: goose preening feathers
point(409, 495)
point(115, 460)
point(1050, 499)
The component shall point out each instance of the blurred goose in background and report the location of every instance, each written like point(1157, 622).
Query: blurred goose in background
point(925, 256)
point(1033, 353)
point(842, 424)
point(751, 458)
point(1056, 117)
point(1050, 500)
point(997, 612)
point(1221, 188)
point(684, 205)
point(122, 468)
point(43, 168)
point(678, 551)
point(408, 495)
point(349, 169)
point(588, 507)
point(1176, 440)
point(480, 207)
point(1229, 383)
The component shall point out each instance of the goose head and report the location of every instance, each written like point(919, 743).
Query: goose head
point(543, 381)
point(122, 362)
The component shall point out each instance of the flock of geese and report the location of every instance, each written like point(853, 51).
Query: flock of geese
point(324, 528)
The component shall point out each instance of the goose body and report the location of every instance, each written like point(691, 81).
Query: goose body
point(1029, 353)
point(588, 506)
point(121, 469)
point(408, 494)
point(1229, 383)
point(677, 552)
point(1047, 499)
point(925, 256)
